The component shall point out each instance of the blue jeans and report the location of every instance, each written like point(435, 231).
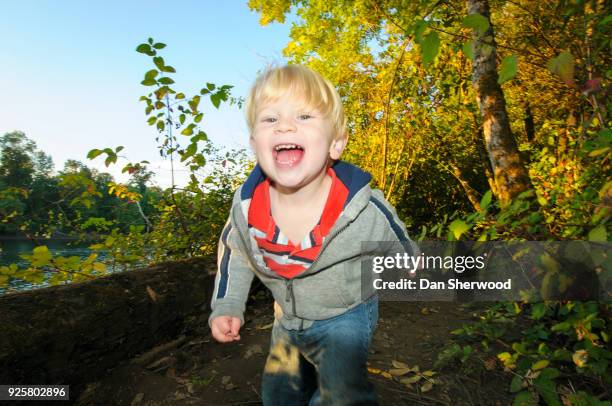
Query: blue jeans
point(324, 364)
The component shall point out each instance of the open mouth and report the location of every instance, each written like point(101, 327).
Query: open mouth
point(288, 154)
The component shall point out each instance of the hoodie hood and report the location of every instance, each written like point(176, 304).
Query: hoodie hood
point(351, 176)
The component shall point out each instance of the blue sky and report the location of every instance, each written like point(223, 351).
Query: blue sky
point(70, 76)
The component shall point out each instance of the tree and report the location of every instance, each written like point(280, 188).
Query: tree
point(405, 71)
point(509, 171)
point(16, 163)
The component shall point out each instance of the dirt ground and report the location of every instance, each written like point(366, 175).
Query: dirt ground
point(195, 370)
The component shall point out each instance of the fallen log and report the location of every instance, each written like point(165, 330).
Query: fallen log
point(73, 334)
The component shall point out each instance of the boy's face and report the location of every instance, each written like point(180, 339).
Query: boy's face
point(293, 144)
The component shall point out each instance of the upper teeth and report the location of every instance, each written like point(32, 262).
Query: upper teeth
point(286, 146)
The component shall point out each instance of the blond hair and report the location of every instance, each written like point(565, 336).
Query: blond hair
point(310, 88)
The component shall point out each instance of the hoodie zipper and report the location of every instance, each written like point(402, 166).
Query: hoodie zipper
point(289, 296)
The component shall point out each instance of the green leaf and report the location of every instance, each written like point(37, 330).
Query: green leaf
point(161, 125)
point(119, 148)
point(549, 373)
point(599, 233)
point(41, 256)
point(143, 48)
point(94, 153)
point(486, 200)
point(548, 390)
point(165, 81)
point(201, 136)
point(210, 86)
point(541, 364)
point(476, 22)
point(524, 399)
point(179, 96)
point(468, 49)
point(419, 28)
point(563, 326)
point(151, 74)
point(430, 47)
point(159, 62)
point(193, 104)
point(458, 227)
point(192, 149)
point(159, 45)
point(538, 311)
point(507, 69)
point(152, 120)
point(169, 69)
point(150, 40)
point(148, 82)
point(516, 384)
point(188, 130)
point(563, 66)
point(198, 118)
point(215, 100)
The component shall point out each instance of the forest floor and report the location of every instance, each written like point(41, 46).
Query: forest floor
point(195, 370)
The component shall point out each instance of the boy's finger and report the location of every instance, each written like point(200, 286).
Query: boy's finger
point(235, 327)
point(219, 335)
point(224, 324)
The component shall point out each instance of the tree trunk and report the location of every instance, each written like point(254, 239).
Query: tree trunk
point(509, 172)
point(469, 191)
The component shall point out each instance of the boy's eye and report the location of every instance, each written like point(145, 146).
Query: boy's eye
point(269, 120)
point(304, 116)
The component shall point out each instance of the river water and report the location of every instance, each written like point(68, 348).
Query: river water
point(11, 249)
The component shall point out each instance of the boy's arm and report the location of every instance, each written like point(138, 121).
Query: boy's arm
point(396, 229)
point(233, 279)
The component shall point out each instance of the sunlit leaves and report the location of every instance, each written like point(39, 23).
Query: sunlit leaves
point(458, 227)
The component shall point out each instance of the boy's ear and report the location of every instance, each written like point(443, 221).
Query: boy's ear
point(337, 147)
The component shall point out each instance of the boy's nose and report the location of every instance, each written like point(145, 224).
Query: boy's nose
point(285, 125)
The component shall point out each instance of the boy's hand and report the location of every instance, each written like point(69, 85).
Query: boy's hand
point(225, 328)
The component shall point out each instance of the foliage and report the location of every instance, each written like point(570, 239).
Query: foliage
point(555, 351)
point(44, 268)
point(404, 73)
point(134, 222)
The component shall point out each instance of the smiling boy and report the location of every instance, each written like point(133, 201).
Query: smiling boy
point(297, 223)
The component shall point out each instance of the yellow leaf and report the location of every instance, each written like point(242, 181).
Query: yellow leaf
point(429, 373)
point(399, 364)
point(4, 280)
point(386, 375)
point(504, 356)
point(580, 358)
point(426, 387)
point(267, 326)
point(99, 267)
point(540, 365)
point(399, 371)
point(411, 380)
point(152, 293)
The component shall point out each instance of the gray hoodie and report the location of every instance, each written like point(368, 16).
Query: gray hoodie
point(333, 283)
